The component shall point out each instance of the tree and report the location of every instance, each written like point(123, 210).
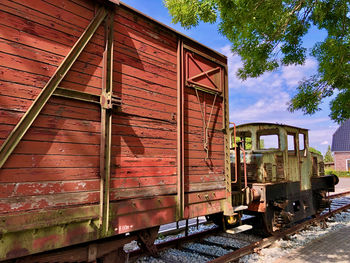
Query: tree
point(328, 158)
point(313, 150)
point(268, 33)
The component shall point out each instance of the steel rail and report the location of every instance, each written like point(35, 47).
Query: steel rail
point(338, 195)
point(268, 241)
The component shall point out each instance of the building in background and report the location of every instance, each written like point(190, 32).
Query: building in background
point(341, 147)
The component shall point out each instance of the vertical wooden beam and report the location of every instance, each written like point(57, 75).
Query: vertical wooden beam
point(106, 123)
point(180, 198)
point(228, 210)
point(29, 117)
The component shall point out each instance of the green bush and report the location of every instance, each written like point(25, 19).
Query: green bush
point(338, 173)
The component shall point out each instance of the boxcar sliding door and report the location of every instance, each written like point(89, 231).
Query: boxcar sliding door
point(204, 148)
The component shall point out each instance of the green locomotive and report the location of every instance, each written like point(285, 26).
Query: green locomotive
point(275, 175)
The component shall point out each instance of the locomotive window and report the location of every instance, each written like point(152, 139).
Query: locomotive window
point(301, 141)
point(245, 138)
point(302, 148)
point(268, 142)
point(291, 144)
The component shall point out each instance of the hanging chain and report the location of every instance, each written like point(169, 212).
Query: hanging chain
point(206, 124)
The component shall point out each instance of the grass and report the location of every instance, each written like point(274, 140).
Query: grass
point(338, 173)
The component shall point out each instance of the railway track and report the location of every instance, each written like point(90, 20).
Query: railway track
point(216, 246)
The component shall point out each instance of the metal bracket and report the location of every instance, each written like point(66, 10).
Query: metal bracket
point(108, 100)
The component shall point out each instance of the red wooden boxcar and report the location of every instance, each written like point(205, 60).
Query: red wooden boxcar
point(110, 122)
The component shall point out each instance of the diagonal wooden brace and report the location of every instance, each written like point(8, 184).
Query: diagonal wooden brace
point(29, 117)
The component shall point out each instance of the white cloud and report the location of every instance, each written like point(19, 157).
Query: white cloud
point(293, 74)
point(264, 109)
point(266, 99)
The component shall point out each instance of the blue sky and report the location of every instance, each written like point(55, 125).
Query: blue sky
point(263, 99)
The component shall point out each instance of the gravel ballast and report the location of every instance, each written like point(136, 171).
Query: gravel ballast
point(283, 247)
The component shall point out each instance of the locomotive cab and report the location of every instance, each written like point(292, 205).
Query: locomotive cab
point(275, 174)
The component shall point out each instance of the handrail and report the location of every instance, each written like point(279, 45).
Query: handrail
point(245, 168)
point(234, 141)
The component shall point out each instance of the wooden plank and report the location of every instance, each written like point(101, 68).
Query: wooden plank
point(141, 132)
point(56, 107)
point(133, 52)
point(143, 162)
point(53, 161)
point(43, 63)
point(56, 122)
point(47, 174)
point(16, 204)
point(141, 151)
point(197, 187)
point(49, 15)
point(50, 217)
point(160, 43)
point(53, 135)
point(54, 148)
point(142, 220)
point(204, 178)
point(124, 70)
point(133, 141)
point(13, 76)
point(146, 104)
point(207, 196)
point(140, 46)
point(50, 161)
point(81, 8)
point(58, 148)
point(136, 172)
point(202, 154)
point(201, 209)
point(189, 138)
point(204, 170)
point(136, 121)
point(119, 194)
point(143, 65)
point(51, 21)
point(122, 79)
point(141, 205)
point(118, 183)
point(143, 24)
point(48, 188)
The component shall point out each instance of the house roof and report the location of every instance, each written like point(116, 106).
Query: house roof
point(341, 138)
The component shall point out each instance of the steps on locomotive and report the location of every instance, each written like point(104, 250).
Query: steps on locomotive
point(239, 208)
point(239, 229)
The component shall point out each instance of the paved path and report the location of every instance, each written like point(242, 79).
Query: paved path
point(343, 185)
point(333, 247)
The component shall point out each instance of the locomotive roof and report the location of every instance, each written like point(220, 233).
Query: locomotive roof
point(117, 2)
point(269, 124)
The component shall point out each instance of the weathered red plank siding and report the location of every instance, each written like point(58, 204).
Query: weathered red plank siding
point(56, 164)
